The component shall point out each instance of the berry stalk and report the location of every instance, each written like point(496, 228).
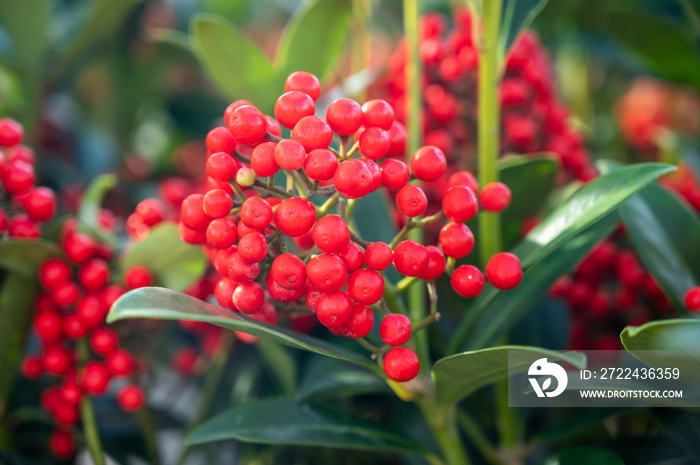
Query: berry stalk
point(489, 124)
point(87, 415)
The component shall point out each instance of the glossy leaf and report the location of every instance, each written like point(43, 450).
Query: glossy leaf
point(88, 212)
point(667, 344)
point(17, 296)
point(664, 49)
point(24, 257)
point(284, 421)
point(457, 376)
point(326, 378)
point(517, 15)
point(322, 28)
point(494, 312)
point(159, 303)
point(584, 455)
point(233, 62)
point(174, 263)
point(280, 363)
point(665, 232)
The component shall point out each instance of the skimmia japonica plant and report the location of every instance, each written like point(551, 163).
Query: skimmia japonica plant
point(397, 234)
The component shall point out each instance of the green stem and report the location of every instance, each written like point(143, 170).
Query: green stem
point(473, 430)
point(87, 415)
point(211, 386)
point(489, 124)
point(443, 424)
point(149, 434)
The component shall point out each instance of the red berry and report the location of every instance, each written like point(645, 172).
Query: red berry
point(66, 294)
point(412, 201)
point(351, 256)
point(3, 215)
point(360, 323)
point(104, 341)
point(71, 392)
point(320, 165)
point(281, 294)
point(40, 204)
point(61, 444)
point(138, 276)
point(378, 256)
point(436, 264)
point(120, 363)
point(110, 294)
point(353, 179)
point(334, 309)
point(240, 270)
point(293, 106)
point(253, 247)
point(344, 116)
point(303, 82)
point(395, 329)
point(53, 273)
point(395, 174)
point(295, 216)
point(192, 212)
point(263, 160)
point(151, 211)
point(692, 299)
point(130, 398)
point(94, 378)
point(32, 367)
point(365, 286)
point(191, 236)
point(456, 240)
point(66, 414)
point(248, 298)
point(19, 176)
point(57, 361)
point(460, 204)
point(327, 273)
point(374, 143)
point(217, 203)
point(397, 136)
point(494, 197)
point(463, 178)
point(428, 163)
point(11, 132)
point(74, 327)
point(48, 326)
point(289, 271)
point(256, 213)
point(401, 364)
point(221, 233)
point(374, 172)
point(184, 361)
point(313, 133)
point(290, 155)
point(247, 124)
point(223, 292)
point(220, 140)
point(377, 113)
point(410, 258)
point(93, 275)
point(467, 281)
point(222, 167)
point(503, 271)
point(91, 310)
point(22, 227)
point(331, 234)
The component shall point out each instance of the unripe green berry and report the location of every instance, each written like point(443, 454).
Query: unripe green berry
point(245, 177)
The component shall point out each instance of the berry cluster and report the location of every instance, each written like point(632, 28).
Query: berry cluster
point(533, 119)
point(245, 221)
point(28, 205)
point(78, 351)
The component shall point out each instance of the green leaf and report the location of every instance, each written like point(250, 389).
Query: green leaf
point(16, 304)
point(459, 375)
point(24, 257)
point(88, 212)
point(517, 15)
point(174, 263)
point(530, 182)
point(284, 421)
point(586, 206)
point(663, 48)
point(373, 218)
point(281, 365)
point(665, 232)
point(26, 24)
point(495, 312)
point(326, 378)
point(322, 28)
point(584, 455)
point(159, 303)
point(176, 40)
point(233, 62)
point(667, 344)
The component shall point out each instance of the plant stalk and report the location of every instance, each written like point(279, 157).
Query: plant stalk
point(87, 415)
point(443, 424)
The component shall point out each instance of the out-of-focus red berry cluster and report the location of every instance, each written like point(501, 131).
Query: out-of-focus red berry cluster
point(23, 206)
point(244, 221)
point(533, 118)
